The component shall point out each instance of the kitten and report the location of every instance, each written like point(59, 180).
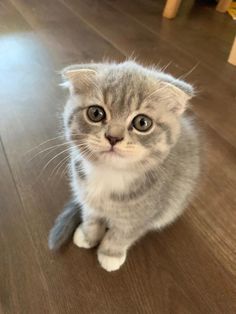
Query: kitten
point(134, 156)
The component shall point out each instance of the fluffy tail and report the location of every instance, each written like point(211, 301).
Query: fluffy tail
point(64, 226)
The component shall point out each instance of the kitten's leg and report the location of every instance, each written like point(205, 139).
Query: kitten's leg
point(89, 233)
point(113, 248)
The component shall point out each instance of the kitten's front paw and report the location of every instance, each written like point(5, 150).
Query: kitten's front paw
point(80, 240)
point(111, 263)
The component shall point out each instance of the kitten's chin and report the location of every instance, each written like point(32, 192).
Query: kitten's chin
point(113, 157)
point(117, 159)
point(112, 153)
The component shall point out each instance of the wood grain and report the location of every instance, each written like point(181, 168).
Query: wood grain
point(20, 272)
point(149, 47)
point(187, 268)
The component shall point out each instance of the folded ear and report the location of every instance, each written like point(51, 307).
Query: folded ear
point(78, 81)
point(177, 92)
point(178, 100)
point(79, 77)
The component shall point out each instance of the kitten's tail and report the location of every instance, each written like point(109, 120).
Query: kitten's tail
point(64, 226)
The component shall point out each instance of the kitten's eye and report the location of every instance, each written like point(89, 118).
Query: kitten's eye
point(96, 113)
point(142, 123)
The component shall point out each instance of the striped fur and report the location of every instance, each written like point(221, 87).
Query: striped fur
point(147, 182)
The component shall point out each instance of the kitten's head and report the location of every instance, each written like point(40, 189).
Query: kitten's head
point(123, 114)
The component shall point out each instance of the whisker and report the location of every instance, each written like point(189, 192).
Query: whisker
point(47, 149)
point(53, 159)
point(65, 163)
point(49, 140)
point(58, 165)
point(190, 71)
point(166, 66)
point(86, 153)
point(52, 148)
point(64, 172)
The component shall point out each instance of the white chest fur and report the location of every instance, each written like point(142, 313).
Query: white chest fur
point(100, 182)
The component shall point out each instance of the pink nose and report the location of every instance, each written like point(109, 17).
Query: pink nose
point(113, 139)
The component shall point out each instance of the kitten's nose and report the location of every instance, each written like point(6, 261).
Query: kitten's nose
point(113, 139)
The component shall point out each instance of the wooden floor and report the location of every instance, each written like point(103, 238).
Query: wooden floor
point(189, 267)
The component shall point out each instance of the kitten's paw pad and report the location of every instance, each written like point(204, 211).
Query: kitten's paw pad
point(79, 239)
point(111, 263)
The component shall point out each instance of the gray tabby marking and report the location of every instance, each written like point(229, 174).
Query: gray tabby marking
point(80, 172)
point(127, 178)
point(140, 186)
point(167, 130)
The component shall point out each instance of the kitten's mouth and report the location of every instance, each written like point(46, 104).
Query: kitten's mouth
point(112, 152)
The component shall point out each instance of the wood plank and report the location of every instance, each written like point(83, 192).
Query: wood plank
point(29, 115)
point(201, 32)
point(132, 38)
point(70, 41)
point(189, 267)
point(20, 272)
point(203, 240)
point(215, 208)
point(39, 197)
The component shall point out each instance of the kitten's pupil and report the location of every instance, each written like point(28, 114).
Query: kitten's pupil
point(143, 122)
point(96, 113)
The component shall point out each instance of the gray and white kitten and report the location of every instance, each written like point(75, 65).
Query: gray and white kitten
point(134, 156)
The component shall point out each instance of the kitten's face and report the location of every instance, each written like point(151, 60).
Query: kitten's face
point(119, 116)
